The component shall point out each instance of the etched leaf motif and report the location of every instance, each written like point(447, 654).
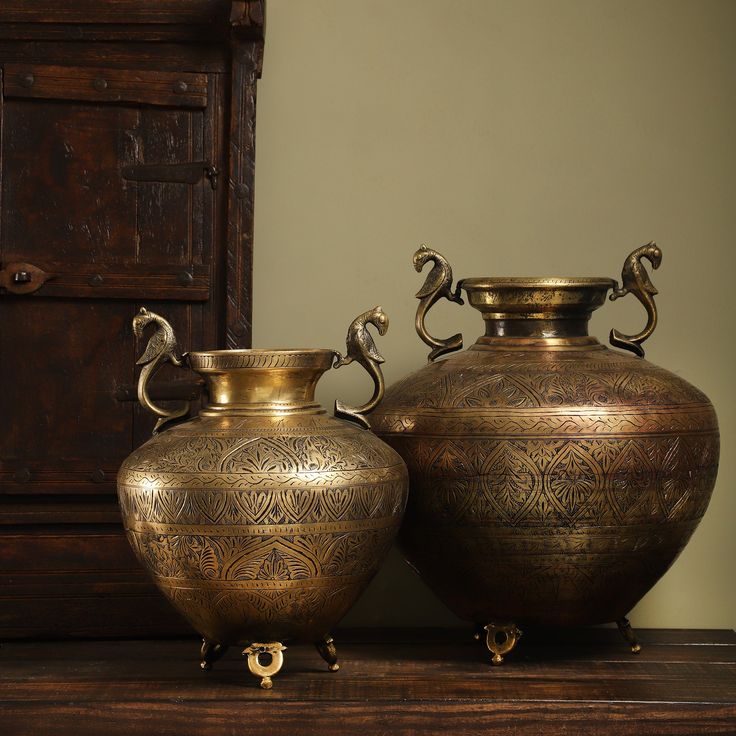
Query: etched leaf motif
point(298, 505)
point(675, 478)
point(452, 500)
point(265, 455)
point(571, 479)
point(337, 502)
point(498, 389)
point(510, 482)
point(631, 479)
point(254, 506)
point(273, 567)
point(208, 562)
point(450, 459)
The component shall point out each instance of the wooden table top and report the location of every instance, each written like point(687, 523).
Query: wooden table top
point(390, 681)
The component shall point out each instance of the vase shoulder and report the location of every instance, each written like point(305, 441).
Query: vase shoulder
point(515, 378)
point(243, 446)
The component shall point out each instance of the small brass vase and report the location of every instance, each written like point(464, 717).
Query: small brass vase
point(553, 480)
point(263, 518)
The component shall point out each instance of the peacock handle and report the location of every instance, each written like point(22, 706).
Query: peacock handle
point(162, 347)
point(438, 285)
point(362, 349)
point(635, 280)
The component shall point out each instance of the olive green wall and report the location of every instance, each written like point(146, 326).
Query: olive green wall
point(518, 137)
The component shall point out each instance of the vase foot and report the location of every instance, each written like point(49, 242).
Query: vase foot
point(209, 653)
point(501, 639)
point(265, 661)
point(328, 652)
point(629, 634)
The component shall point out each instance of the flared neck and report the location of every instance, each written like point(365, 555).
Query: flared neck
point(253, 382)
point(536, 308)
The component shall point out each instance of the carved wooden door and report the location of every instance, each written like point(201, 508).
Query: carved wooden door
point(107, 195)
point(126, 179)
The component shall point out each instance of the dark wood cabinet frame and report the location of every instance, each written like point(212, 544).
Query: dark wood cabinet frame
point(127, 159)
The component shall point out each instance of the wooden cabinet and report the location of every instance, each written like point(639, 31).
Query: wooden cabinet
point(126, 178)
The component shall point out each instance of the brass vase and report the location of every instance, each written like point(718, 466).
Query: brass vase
point(553, 480)
point(263, 518)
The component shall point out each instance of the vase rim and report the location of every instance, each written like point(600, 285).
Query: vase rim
point(537, 307)
point(537, 282)
point(264, 358)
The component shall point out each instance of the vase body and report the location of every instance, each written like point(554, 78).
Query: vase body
point(552, 480)
point(263, 518)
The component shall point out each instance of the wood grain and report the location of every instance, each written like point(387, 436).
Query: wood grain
point(427, 681)
point(99, 84)
point(91, 92)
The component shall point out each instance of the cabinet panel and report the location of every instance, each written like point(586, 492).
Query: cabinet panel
point(69, 189)
point(126, 179)
point(79, 205)
point(60, 358)
point(63, 198)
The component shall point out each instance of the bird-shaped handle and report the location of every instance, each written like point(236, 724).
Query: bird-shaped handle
point(438, 285)
point(163, 347)
point(362, 349)
point(635, 280)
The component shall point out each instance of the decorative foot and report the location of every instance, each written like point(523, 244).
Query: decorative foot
point(501, 639)
point(265, 660)
point(628, 633)
point(328, 652)
point(210, 653)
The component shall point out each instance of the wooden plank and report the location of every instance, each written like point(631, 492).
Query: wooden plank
point(154, 683)
point(139, 281)
point(99, 84)
point(130, 20)
point(67, 510)
point(105, 32)
point(96, 613)
point(683, 685)
point(159, 56)
point(175, 719)
point(120, 11)
point(564, 637)
point(247, 60)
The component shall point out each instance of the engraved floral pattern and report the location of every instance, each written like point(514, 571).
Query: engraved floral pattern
point(254, 526)
point(556, 485)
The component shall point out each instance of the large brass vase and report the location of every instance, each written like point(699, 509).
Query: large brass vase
point(263, 518)
point(553, 480)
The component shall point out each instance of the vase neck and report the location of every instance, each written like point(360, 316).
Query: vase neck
point(536, 308)
point(252, 382)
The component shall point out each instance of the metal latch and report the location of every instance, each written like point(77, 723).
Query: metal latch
point(186, 173)
point(23, 278)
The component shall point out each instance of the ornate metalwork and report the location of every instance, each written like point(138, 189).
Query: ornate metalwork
point(438, 285)
point(553, 480)
point(265, 661)
point(162, 348)
point(635, 280)
point(501, 639)
point(23, 278)
point(362, 349)
point(210, 653)
point(264, 518)
point(328, 652)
